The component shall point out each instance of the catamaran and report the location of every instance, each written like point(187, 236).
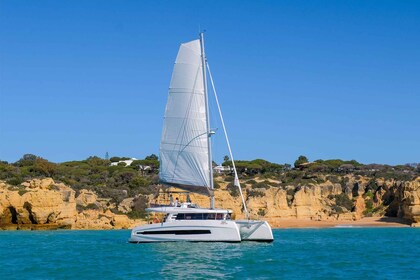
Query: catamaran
point(186, 162)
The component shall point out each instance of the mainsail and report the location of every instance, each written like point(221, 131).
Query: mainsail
point(184, 147)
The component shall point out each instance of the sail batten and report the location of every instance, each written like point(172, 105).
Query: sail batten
point(184, 145)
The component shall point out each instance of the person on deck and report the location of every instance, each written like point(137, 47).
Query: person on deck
point(171, 200)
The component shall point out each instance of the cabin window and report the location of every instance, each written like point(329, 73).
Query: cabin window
point(191, 216)
point(201, 216)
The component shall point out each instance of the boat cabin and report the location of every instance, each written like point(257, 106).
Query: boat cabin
point(189, 211)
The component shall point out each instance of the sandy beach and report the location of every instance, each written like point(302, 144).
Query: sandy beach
point(364, 222)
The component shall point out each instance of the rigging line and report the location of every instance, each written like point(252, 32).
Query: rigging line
point(186, 145)
point(227, 141)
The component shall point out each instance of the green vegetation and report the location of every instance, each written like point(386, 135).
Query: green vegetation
point(304, 170)
point(120, 181)
point(228, 178)
point(257, 166)
point(261, 212)
point(369, 207)
point(233, 190)
point(216, 185)
point(261, 185)
point(369, 194)
point(301, 160)
point(94, 173)
point(22, 192)
point(138, 212)
point(255, 193)
point(117, 159)
point(342, 200)
point(290, 194)
point(91, 206)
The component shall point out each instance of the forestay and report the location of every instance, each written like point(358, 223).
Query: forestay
point(184, 145)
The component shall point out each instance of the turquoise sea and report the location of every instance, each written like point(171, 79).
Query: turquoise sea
point(337, 253)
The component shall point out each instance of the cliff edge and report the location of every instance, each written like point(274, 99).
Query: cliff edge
point(46, 204)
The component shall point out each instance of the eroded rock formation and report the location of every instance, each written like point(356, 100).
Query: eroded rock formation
point(410, 202)
point(45, 204)
point(356, 198)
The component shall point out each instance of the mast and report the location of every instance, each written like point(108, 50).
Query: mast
point(203, 66)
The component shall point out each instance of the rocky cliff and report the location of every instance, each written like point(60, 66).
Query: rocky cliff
point(345, 198)
point(45, 204)
point(409, 195)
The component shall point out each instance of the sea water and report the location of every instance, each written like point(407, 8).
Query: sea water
point(336, 253)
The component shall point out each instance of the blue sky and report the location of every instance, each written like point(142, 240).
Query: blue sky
point(326, 79)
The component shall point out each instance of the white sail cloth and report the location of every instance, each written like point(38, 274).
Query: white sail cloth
point(184, 145)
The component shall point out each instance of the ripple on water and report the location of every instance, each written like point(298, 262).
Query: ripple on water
point(296, 253)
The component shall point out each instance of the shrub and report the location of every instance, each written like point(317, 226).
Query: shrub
point(343, 200)
point(22, 192)
point(260, 185)
point(229, 178)
point(291, 177)
point(290, 194)
point(333, 179)
point(300, 160)
point(26, 160)
point(115, 159)
point(91, 206)
point(344, 181)
point(264, 185)
point(15, 181)
point(291, 191)
point(368, 194)
point(369, 207)
point(372, 186)
point(233, 190)
point(137, 214)
point(337, 209)
point(216, 185)
point(255, 193)
point(261, 212)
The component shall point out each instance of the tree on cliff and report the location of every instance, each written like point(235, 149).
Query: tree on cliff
point(44, 167)
point(26, 160)
point(152, 157)
point(300, 160)
point(151, 162)
point(225, 158)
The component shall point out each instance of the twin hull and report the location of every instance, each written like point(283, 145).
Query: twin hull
point(199, 231)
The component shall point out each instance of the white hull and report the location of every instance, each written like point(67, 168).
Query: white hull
point(193, 231)
point(203, 231)
point(255, 230)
